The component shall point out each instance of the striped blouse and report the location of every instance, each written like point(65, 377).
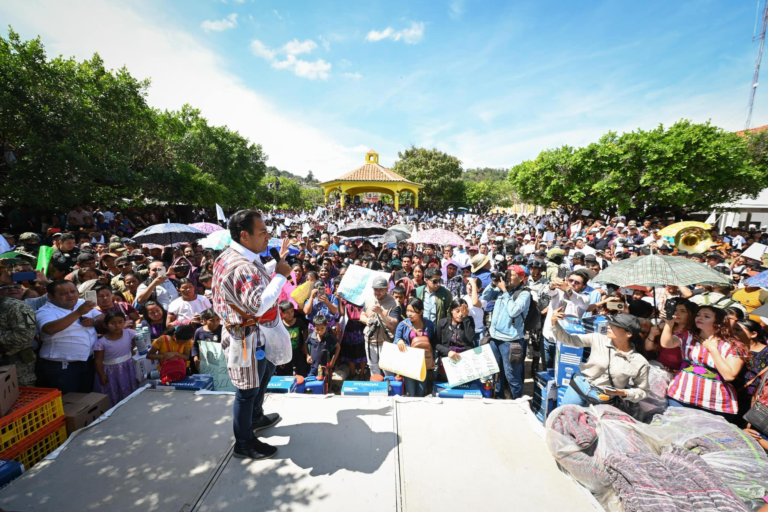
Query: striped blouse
point(699, 383)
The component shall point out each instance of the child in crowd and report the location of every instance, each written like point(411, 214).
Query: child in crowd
point(209, 331)
point(205, 283)
point(176, 342)
point(115, 374)
point(319, 344)
point(297, 329)
point(398, 292)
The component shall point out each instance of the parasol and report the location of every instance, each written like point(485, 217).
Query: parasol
point(207, 227)
point(437, 236)
point(361, 228)
point(167, 234)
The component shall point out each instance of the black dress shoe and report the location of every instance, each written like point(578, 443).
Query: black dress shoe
point(256, 451)
point(266, 421)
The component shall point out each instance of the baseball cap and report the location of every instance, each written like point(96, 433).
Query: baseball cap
point(627, 322)
point(380, 282)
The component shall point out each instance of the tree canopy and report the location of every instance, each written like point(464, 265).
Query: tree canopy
point(75, 131)
point(438, 171)
point(684, 168)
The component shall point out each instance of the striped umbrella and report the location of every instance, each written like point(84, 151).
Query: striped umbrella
point(657, 270)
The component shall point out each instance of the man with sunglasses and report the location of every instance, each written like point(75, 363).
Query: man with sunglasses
point(436, 297)
point(569, 294)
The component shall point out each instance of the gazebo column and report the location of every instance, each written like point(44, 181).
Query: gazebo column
point(416, 198)
point(341, 197)
point(396, 195)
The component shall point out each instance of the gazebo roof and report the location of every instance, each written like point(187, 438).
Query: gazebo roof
point(372, 172)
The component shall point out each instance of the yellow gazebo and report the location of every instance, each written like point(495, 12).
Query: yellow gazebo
point(372, 177)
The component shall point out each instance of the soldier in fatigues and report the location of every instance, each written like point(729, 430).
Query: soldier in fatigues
point(17, 330)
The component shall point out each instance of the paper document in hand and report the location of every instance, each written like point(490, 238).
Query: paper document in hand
point(474, 364)
point(408, 364)
point(356, 285)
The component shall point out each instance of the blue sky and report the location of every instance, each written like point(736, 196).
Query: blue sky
point(491, 82)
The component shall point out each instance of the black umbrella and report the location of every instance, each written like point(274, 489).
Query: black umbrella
point(362, 228)
point(394, 236)
point(167, 234)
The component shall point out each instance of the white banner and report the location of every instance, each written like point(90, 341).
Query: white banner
point(410, 363)
point(356, 285)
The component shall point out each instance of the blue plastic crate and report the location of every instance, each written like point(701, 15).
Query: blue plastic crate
point(474, 389)
point(395, 386)
point(284, 384)
point(9, 471)
point(365, 388)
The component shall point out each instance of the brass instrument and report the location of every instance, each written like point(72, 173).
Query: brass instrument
point(690, 236)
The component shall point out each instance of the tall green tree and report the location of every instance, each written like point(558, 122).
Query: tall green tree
point(684, 168)
point(440, 172)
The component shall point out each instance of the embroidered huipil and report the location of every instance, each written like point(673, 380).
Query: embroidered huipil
point(241, 279)
point(699, 382)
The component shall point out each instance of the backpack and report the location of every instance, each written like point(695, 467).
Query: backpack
point(532, 320)
point(422, 342)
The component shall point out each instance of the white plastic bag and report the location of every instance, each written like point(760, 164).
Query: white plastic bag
point(239, 356)
point(277, 342)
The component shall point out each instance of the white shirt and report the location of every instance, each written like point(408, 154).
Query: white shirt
point(462, 258)
point(187, 309)
point(75, 343)
point(575, 305)
point(165, 292)
point(476, 313)
point(108, 216)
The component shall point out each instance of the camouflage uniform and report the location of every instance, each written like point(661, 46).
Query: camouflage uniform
point(17, 331)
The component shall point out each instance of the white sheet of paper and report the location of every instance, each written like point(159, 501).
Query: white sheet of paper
point(755, 252)
point(356, 285)
point(408, 364)
point(474, 364)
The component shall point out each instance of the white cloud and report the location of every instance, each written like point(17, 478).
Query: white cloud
point(277, 14)
point(410, 35)
point(220, 25)
point(296, 48)
point(312, 70)
point(344, 63)
point(456, 9)
point(354, 76)
point(326, 44)
point(259, 49)
point(183, 70)
point(315, 70)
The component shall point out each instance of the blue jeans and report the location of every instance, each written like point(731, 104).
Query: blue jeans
point(415, 387)
point(479, 335)
point(548, 353)
point(248, 405)
point(573, 398)
point(77, 377)
point(513, 374)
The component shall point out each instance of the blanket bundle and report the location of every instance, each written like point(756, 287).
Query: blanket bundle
point(679, 480)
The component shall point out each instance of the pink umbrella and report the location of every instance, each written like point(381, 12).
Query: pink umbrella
point(153, 246)
point(437, 236)
point(207, 227)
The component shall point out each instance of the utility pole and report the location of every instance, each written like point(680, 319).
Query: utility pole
point(757, 66)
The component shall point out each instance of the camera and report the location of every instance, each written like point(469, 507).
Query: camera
point(498, 276)
point(670, 306)
point(615, 306)
point(135, 257)
point(181, 268)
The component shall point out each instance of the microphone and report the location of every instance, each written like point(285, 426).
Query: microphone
point(275, 254)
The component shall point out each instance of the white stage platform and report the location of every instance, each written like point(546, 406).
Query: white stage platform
point(171, 451)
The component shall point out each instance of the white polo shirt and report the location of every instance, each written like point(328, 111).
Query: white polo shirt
point(75, 343)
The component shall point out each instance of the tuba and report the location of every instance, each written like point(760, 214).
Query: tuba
point(689, 236)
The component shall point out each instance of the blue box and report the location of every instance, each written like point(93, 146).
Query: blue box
point(10, 470)
point(278, 384)
point(474, 389)
point(312, 386)
point(567, 360)
point(598, 324)
point(365, 388)
point(542, 408)
point(395, 386)
point(560, 395)
point(191, 383)
point(572, 325)
point(544, 385)
point(300, 387)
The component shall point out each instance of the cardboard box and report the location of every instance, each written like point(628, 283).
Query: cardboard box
point(542, 408)
point(365, 388)
point(598, 324)
point(9, 388)
point(560, 395)
point(279, 384)
point(567, 360)
point(9, 471)
point(143, 366)
point(545, 386)
point(474, 389)
point(82, 409)
point(191, 383)
point(572, 325)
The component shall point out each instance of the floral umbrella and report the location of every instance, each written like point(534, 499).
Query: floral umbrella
point(437, 236)
point(207, 227)
point(167, 234)
point(760, 280)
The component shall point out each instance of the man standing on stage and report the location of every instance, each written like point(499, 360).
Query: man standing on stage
point(254, 339)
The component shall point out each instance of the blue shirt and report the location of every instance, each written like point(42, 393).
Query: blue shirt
point(485, 277)
point(405, 328)
point(430, 305)
point(508, 320)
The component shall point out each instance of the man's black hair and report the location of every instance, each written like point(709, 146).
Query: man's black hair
point(432, 272)
point(51, 287)
point(242, 220)
point(67, 236)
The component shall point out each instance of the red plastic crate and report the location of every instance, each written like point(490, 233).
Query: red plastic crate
point(34, 409)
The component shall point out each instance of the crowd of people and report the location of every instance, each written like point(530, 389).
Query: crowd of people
point(510, 285)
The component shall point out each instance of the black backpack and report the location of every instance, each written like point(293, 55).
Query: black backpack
point(532, 320)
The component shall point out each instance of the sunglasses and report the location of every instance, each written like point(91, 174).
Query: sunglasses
point(574, 281)
point(124, 265)
point(436, 281)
